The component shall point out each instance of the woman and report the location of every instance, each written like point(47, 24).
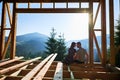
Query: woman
point(71, 52)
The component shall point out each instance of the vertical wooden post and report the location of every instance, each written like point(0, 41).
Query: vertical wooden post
point(28, 5)
point(13, 36)
point(111, 21)
point(91, 32)
point(3, 25)
point(9, 37)
point(103, 26)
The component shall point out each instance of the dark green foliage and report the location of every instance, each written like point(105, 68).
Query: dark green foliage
point(56, 45)
point(117, 43)
point(51, 43)
point(117, 58)
point(61, 49)
point(117, 33)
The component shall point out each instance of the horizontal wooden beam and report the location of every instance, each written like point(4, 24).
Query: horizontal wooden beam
point(103, 76)
point(89, 69)
point(13, 78)
point(66, 74)
point(54, 10)
point(3, 71)
point(10, 61)
point(14, 73)
point(50, 73)
point(97, 29)
point(6, 28)
point(38, 1)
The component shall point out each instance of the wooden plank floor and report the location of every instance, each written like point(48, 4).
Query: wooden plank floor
point(48, 69)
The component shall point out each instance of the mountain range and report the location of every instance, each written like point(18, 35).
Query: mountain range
point(31, 43)
point(34, 43)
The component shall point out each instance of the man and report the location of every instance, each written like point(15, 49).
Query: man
point(81, 54)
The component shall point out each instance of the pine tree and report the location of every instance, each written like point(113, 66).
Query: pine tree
point(117, 43)
point(61, 49)
point(51, 43)
point(56, 45)
point(117, 33)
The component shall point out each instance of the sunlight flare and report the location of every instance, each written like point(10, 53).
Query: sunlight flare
point(79, 26)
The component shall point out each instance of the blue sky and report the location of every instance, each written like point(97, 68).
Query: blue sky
point(74, 26)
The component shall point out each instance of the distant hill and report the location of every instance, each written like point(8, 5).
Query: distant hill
point(31, 43)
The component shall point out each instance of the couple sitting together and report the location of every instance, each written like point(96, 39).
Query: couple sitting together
point(77, 56)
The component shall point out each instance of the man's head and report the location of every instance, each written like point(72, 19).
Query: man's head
point(79, 44)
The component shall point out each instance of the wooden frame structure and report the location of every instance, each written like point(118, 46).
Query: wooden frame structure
point(48, 69)
point(12, 15)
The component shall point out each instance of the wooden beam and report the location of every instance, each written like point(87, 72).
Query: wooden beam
point(111, 22)
point(3, 71)
point(91, 26)
point(87, 65)
point(59, 72)
point(24, 72)
point(97, 29)
point(7, 29)
point(50, 73)
point(38, 1)
point(14, 73)
point(30, 75)
point(52, 10)
point(28, 5)
point(103, 76)
point(88, 70)
point(52, 67)
point(66, 74)
point(18, 71)
point(97, 46)
point(6, 45)
point(103, 24)
point(13, 78)
point(9, 13)
point(98, 9)
point(9, 37)
point(3, 25)
point(13, 35)
point(43, 71)
point(10, 61)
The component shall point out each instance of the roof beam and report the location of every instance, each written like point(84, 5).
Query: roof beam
point(38, 1)
point(50, 10)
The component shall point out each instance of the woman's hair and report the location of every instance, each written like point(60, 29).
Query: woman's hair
point(72, 44)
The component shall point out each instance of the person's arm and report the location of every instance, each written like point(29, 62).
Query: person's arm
point(75, 55)
point(87, 58)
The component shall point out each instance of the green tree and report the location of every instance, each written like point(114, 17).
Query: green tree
point(61, 49)
point(51, 43)
point(56, 45)
point(117, 33)
point(117, 42)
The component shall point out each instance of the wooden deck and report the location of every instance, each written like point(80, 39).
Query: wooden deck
point(48, 69)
